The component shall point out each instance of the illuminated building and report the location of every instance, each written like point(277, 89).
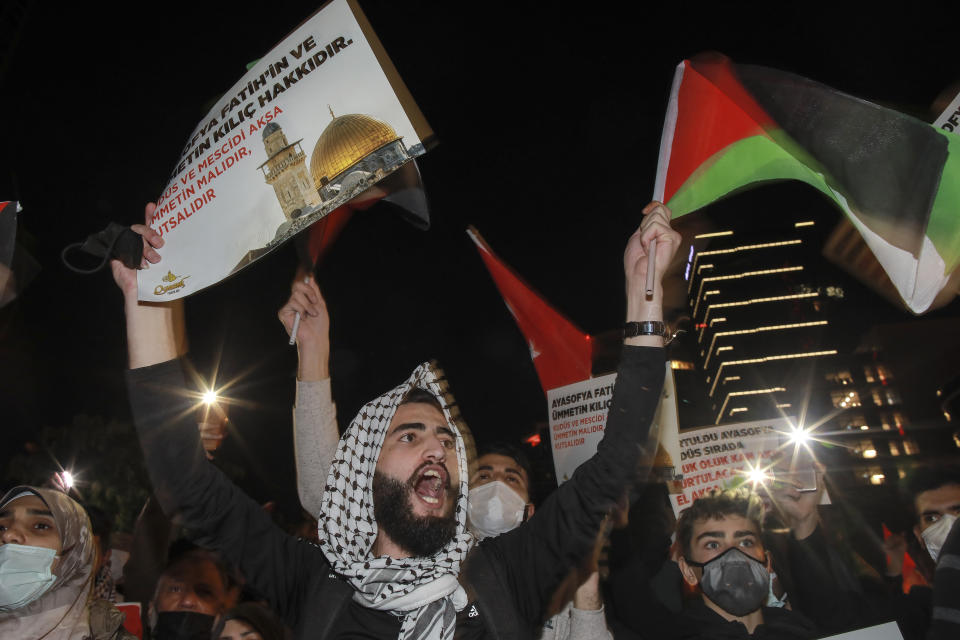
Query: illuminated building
point(759, 319)
point(776, 330)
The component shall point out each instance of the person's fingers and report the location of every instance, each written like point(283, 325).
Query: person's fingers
point(148, 211)
point(289, 310)
point(303, 304)
point(655, 205)
point(788, 492)
point(659, 231)
point(151, 255)
point(151, 239)
point(150, 236)
point(657, 214)
point(303, 289)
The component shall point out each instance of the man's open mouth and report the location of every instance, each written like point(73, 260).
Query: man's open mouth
point(431, 484)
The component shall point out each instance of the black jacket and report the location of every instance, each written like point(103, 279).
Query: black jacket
point(508, 579)
point(699, 621)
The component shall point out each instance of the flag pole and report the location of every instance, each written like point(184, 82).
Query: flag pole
point(651, 265)
point(666, 146)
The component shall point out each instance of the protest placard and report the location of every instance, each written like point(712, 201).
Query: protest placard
point(717, 457)
point(578, 418)
point(317, 121)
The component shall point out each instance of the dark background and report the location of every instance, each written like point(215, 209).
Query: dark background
point(549, 123)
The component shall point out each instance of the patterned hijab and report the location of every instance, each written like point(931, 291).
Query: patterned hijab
point(424, 590)
point(61, 613)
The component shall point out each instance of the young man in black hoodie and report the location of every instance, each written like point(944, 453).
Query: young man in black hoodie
point(721, 554)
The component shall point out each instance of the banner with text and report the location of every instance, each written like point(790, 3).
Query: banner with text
point(717, 457)
point(578, 418)
point(318, 120)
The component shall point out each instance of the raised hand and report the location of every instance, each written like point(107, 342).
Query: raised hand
point(126, 278)
point(655, 225)
point(313, 333)
point(799, 508)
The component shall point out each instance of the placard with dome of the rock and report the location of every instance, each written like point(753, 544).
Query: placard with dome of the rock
point(321, 120)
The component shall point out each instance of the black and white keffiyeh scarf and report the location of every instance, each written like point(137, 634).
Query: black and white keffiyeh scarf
point(424, 590)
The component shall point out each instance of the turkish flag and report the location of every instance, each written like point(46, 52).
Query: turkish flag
point(561, 351)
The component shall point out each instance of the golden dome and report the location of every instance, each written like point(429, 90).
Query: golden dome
point(346, 140)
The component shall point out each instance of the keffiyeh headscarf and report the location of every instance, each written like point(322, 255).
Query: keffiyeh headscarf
point(61, 613)
point(424, 590)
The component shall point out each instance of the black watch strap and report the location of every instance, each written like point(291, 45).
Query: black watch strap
point(646, 328)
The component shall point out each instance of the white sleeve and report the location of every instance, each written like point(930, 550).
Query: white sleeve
point(315, 439)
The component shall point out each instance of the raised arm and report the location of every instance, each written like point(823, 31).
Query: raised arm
point(219, 515)
point(562, 532)
point(640, 306)
point(315, 435)
point(155, 332)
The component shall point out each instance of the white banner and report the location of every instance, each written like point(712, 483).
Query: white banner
point(716, 457)
point(318, 120)
point(578, 416)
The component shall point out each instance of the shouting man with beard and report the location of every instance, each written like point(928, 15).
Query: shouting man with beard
point(395, 559)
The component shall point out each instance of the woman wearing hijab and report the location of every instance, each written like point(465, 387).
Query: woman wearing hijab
point(47, 558)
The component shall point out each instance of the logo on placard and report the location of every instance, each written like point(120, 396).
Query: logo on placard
point(174, 282)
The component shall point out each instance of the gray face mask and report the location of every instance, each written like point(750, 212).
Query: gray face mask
point(735, 581)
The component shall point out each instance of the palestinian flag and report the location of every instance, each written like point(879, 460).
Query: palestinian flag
point(561, 352)
point(895, 177)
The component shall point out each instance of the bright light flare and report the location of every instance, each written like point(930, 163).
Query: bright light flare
point(210, 397)
point(67, 478)
point(799, 436)
point(756, 476)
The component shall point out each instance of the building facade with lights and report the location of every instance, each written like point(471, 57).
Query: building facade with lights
point(775, 330)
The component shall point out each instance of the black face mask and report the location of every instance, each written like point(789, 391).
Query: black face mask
point(735, 581)
point(183, 625)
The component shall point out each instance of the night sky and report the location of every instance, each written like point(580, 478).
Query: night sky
point(548, 121)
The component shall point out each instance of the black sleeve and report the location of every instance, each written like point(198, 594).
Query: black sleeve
point(825, 589)
point(539, 554)
point(642, 581)
point(223, 518)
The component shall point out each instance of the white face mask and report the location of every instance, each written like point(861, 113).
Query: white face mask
point(936, 534)
point(25, 574)
point(494, 508)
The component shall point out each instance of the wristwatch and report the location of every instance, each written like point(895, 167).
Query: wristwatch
point(646, 328)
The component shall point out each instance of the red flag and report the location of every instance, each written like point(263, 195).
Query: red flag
point(911, 576)
point(561, 352)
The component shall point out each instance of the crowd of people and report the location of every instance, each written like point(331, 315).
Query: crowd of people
point(418, 536)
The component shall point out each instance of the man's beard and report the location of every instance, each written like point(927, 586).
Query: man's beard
point(421, 536)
